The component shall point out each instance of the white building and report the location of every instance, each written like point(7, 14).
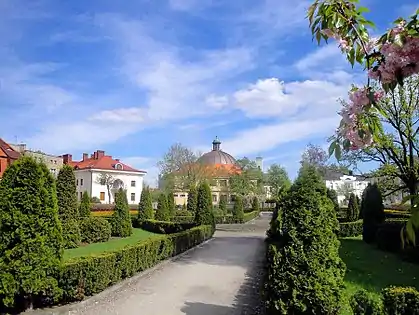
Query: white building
point(90, 170)
point(344, 185)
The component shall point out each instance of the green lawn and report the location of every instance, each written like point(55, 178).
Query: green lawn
point(113, 244)
point(373, 270)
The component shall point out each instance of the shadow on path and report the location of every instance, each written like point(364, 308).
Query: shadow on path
point(247, 300)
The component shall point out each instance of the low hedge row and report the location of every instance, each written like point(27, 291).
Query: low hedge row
point(163, 227)
point(86, 276)
point(226, 219)
point(394, 301)
point(350, 229)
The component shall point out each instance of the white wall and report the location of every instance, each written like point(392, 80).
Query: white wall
point(357, 186)
point(91, 185)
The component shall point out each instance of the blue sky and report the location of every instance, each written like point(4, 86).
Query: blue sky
point(134, 77)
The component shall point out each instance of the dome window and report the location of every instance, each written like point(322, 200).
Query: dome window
point(119, 166)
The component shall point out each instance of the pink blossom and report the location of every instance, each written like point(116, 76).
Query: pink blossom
point(344, 45)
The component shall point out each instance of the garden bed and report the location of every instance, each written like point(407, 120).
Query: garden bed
point(371, 269)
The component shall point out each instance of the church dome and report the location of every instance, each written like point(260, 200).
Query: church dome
point(217, 156)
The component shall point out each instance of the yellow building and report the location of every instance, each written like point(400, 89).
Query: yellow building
point(217, 167)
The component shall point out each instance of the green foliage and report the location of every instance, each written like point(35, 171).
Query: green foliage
point(350, 229)
point(145, 208)
point(164, 227)
point(255, 204)
point(204, 213)
point(353, 209)
point(362, 303)
point(223, 206)
point(372, 211)
point(121, 218)
point(192, 199)
point(333, 196)
point(401, 300)
point(31, 245)
point(95, 230)
point(171, 204)
point(67, 206)
point(305, 273)
point(278, 179)
point(85, 206)
point(238, 213)
point(162, 213)
point(95, 200)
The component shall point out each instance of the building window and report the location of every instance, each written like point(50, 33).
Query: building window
point(223, 197)
point(214, 198)
point(213, 182)
point(223, 183)
point(133, 183)
point(175, 195)
point(81, 182)
point(81, 195)
point(77, 182)
point(182, 195)
point(102, 196)
point(132, 196)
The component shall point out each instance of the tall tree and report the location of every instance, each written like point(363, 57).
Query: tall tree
point(171, 204)
point(192, 199)
point(306, 259)
point(106, 179)
point(278, 180)
point(204, 214)
point(333, 196)
point(353, 208)
point(31, 246)
point(179, 168)
point(67, 206)
point(249, 181)
point(121, 217)
point(238, 213)
point(162, 212)
point(85, 206)
point(316, 156)
point(145, 208)
point(372, 212)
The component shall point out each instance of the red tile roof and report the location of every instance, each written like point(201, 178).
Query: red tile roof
point(8, 150)
point(103, 163)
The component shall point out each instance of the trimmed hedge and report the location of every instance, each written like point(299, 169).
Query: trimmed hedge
point(363, 303)
point(401, 301)
point(164, 227)
point(95, 230)
point(227, 219)
point(110, 207)
point(350, 229)
point(86, 276)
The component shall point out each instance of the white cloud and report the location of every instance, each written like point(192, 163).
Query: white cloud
point(266, 137)
point(321, 57)
point(129, 115)
point(274, 98)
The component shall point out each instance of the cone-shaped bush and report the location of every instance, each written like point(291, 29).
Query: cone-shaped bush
point(85, 206)
point(353, 208)
point(204, 214)
point(192, 199)
point(372, 212)
point(255, 204)
point(121, 218)
point(223, 206)
point(171, 205)
point(333, 196)
point(68, 207)
point(238, 213)
point(162, 212)
point(31, 246)
point(305, 272)
point(145, 208)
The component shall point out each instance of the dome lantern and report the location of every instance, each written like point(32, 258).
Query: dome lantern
point(216, 144)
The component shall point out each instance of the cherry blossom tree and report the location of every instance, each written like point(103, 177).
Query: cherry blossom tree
point(388, 60)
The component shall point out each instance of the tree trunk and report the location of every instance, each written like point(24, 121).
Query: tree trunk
point(109, 193)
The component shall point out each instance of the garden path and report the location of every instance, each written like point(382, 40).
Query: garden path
point(219, 277)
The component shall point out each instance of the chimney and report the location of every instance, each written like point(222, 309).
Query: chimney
point(67, 158)
point(85, 156)
point(100, 154)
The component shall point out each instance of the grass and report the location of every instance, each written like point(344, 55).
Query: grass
point(111, 245)
point(371, 269)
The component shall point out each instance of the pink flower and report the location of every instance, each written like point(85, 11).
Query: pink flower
point(344, 45)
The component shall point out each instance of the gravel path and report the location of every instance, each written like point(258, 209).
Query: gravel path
point(219, 277)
